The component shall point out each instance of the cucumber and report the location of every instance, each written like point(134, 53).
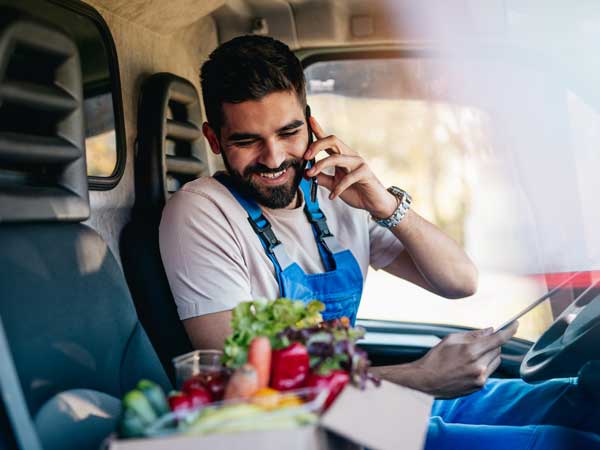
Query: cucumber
point(139, 404)
point(131, 425)
point(155, 395)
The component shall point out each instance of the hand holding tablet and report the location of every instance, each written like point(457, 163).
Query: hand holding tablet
point(524, 311)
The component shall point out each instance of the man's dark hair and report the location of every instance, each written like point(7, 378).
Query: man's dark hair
point(248, 68)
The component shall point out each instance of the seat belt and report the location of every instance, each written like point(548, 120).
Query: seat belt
point(14, 402)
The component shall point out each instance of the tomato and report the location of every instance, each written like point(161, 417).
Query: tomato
point(216, 387)
point(195, 382)
point(179, 402)
point(198, 396)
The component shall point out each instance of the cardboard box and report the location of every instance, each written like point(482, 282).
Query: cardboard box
point(390, 417)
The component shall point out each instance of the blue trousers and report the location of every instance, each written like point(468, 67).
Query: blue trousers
point(514, 415)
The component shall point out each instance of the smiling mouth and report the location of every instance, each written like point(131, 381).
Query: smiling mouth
point(274, 175)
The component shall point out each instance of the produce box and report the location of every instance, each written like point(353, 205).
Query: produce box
point(285, 379)
point(388, 417)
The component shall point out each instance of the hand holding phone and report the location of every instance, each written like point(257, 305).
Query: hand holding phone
point(314, 183)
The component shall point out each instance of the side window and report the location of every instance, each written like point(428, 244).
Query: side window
point(419, 126)
point(105, 151)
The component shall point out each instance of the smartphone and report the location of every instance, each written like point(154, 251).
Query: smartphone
point(314, 184)
point(524, 311)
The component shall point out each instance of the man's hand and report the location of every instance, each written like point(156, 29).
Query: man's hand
point(459, 365)
point(353, 181)
point(462, 362)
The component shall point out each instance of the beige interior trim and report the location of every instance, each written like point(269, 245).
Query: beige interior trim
point(160, 16)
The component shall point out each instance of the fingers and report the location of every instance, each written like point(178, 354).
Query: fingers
point(348, 163)
point(353, 177)
point(327, 181)
point(316, 128)
point(503, 336)
point(330, 144)
point(327, 144)
point(492, 366)
point(480, 333)
point(485, 366)
point(495, 340)
point(510, 331)
point(487, 358)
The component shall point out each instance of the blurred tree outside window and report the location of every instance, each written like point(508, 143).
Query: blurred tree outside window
point(100, 140)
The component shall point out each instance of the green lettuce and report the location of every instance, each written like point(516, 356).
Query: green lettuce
point(266, 318)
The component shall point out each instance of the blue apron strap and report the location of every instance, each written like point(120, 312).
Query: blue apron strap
point(326, 241)
point(261, 226)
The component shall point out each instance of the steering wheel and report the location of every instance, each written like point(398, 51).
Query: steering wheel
point(570, 342)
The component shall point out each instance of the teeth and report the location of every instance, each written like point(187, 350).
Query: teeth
point(272, 175)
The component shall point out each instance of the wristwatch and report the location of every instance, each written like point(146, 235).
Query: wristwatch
point(404, 202)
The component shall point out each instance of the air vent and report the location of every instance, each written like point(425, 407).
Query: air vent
point(42, 153)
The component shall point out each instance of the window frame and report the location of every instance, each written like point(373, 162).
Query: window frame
point(311, 58)
point(98, 183)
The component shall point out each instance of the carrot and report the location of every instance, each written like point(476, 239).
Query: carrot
point(259, 356)
point(242, 384)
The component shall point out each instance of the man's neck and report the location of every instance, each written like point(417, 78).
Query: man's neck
point(296, 202)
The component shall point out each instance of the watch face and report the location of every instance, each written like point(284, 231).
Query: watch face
point(404, 201)
point(401, 193)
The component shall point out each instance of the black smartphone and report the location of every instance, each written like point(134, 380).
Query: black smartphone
point(314, 184)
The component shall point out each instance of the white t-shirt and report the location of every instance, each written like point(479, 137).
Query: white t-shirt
point(214, 260)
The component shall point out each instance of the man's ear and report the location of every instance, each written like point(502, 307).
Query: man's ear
point(212, 138)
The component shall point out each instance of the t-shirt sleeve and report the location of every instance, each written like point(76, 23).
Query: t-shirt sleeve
point(201, 256)
point(384, 246)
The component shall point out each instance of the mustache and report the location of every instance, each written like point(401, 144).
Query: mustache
point(260, 168)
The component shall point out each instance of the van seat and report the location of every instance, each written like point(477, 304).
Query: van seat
point(167, 157)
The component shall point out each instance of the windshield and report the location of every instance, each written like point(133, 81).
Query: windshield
point(496, 150)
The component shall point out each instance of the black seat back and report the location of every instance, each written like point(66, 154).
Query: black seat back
point(169, 134)
point(69, 319)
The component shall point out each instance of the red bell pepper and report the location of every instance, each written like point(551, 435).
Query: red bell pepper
point(334, 382)
point(289, 367)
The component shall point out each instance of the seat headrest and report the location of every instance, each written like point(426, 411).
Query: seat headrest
point(42, 141)
point(169, 140)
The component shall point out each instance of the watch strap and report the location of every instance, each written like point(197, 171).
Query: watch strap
point(404, 203)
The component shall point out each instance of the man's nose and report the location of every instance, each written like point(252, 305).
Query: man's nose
point(273, 154)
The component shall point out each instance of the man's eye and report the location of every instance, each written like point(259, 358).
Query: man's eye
point(289, 133)
point(244, 143)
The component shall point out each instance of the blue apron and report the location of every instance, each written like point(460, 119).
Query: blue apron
point(339, 287)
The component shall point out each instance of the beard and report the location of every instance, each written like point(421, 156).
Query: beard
point(273, 197)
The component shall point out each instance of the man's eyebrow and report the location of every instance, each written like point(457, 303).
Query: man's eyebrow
point(291, 125)
point(242, 136)
point(248, 136)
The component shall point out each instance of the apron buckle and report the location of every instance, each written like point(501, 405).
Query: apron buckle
point(265, 233)
point(321, 225)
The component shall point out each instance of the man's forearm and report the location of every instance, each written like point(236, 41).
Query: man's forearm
point(440, 260)
point(403, 374)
